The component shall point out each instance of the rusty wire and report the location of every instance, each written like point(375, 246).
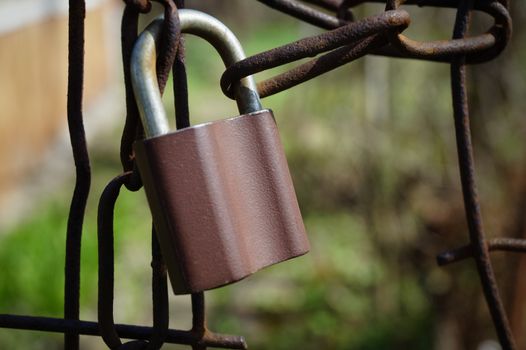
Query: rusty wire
point(106, 275)
point(467, 177)
point(353, 40)
point(349, 42)
point(458, 51)
point(170, 34)
point(77, 14)
point(345, 40)
point(199, 337)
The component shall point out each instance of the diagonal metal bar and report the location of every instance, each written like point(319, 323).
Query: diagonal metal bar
point(346, 38)
point(305, 13)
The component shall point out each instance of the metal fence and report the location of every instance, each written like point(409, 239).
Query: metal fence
point(346, 38)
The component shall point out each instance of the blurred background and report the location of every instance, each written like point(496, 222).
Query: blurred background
point(371, 148)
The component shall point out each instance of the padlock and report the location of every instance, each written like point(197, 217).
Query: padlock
point(220, 193)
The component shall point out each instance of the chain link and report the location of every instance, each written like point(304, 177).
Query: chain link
point(345, 40)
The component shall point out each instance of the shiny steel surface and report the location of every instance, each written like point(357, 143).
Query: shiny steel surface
point(143, 61)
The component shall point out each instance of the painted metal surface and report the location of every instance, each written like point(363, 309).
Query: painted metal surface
point(220, 193)
point(225, 207)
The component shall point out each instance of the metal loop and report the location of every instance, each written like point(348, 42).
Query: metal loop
point(171, 34)
point(351, 34)
point(476, 49)
point(169, 43)
point(133, 183)
point(482, 49)
point(105, 236)
point(318, 66)
point(106, 260)
point(146, 90)
point(468, 183)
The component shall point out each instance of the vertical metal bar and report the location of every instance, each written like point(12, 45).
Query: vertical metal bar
point(159, 296)
point(129, 27)
point(180, 83)
point(198, 318)
point(105, 236)
point(77, 11)
point(467, 177)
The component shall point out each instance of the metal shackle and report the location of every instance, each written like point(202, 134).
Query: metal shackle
point(143, 69)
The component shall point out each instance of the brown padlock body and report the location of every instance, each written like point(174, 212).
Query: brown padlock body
point(222, 200)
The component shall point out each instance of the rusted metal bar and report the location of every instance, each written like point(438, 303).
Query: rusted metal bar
point(106, 271)
point(474, 48)
point(106, 261)
point(59, 325)
point(305, 13)
point(495, 244)
point(481, 48)
point(180, 84)
point(453, 4)
point(159, 297)
point(169, 43)
point(129, 27)
point(319, 66)
point(168, 50)
point(77, 12)
point(467, 177)
point(199, 318)
point(311, 46)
